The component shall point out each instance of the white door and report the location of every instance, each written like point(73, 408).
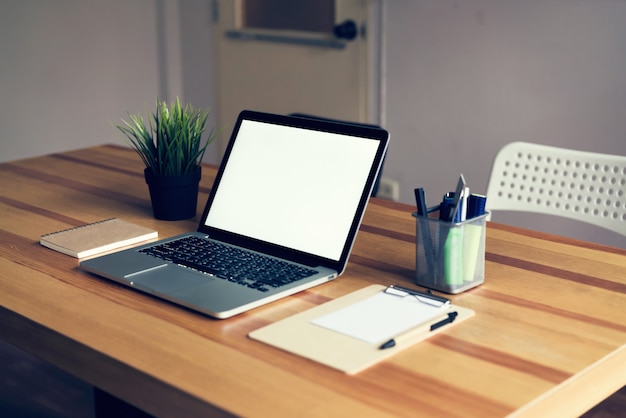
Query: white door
point(286, 56)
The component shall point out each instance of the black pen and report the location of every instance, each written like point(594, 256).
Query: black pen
point(413, 332)
point(450, 319)
point(420, 202)
point(424, 226)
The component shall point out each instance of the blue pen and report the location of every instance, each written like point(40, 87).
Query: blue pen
point(446, 207)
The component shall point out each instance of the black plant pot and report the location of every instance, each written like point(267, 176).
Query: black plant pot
point(173, 197)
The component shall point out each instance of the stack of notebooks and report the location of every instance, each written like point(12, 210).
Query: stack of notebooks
point(97, 238)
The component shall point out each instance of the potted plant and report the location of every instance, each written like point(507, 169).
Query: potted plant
point(171, 147)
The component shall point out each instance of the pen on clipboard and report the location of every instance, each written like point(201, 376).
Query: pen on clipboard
point(408, 335)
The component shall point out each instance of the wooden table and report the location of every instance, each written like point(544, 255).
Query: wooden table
point(549, 335)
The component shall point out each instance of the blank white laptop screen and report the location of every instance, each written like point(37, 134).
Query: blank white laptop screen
point(306, 202)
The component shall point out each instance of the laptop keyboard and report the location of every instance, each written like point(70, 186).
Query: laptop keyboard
point(233, 264)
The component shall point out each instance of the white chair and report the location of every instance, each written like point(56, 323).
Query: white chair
point(586, 186)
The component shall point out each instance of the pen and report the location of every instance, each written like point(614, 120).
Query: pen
point(412, 333)
point(445, 208)
point(420, 201)
point(450, 319)
point(424, 226)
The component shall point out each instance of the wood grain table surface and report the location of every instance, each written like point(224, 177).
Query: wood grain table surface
point(548, 337)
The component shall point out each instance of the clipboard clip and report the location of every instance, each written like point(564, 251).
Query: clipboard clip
point(427, 298)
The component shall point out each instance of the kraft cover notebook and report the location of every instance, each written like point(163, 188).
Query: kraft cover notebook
point(98, 237)
point(347, 333)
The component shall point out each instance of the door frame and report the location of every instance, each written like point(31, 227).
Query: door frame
point(372, 108)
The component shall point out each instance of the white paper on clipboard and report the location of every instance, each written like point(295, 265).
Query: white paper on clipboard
point(379, 317)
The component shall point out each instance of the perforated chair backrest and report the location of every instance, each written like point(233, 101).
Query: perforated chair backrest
point(586, 186)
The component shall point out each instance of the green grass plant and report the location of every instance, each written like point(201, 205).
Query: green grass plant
point(171, 142)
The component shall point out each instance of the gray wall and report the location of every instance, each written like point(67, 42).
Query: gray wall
point(71, 69)
point(473, 75)
point(462, 78)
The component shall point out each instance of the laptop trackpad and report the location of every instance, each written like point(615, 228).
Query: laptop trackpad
point(168, 279)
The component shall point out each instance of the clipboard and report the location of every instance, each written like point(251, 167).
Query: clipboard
point(303, 334)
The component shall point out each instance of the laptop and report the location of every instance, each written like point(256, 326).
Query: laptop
point(281, 217)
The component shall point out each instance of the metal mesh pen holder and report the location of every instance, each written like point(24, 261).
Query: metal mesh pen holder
point(450, 257)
